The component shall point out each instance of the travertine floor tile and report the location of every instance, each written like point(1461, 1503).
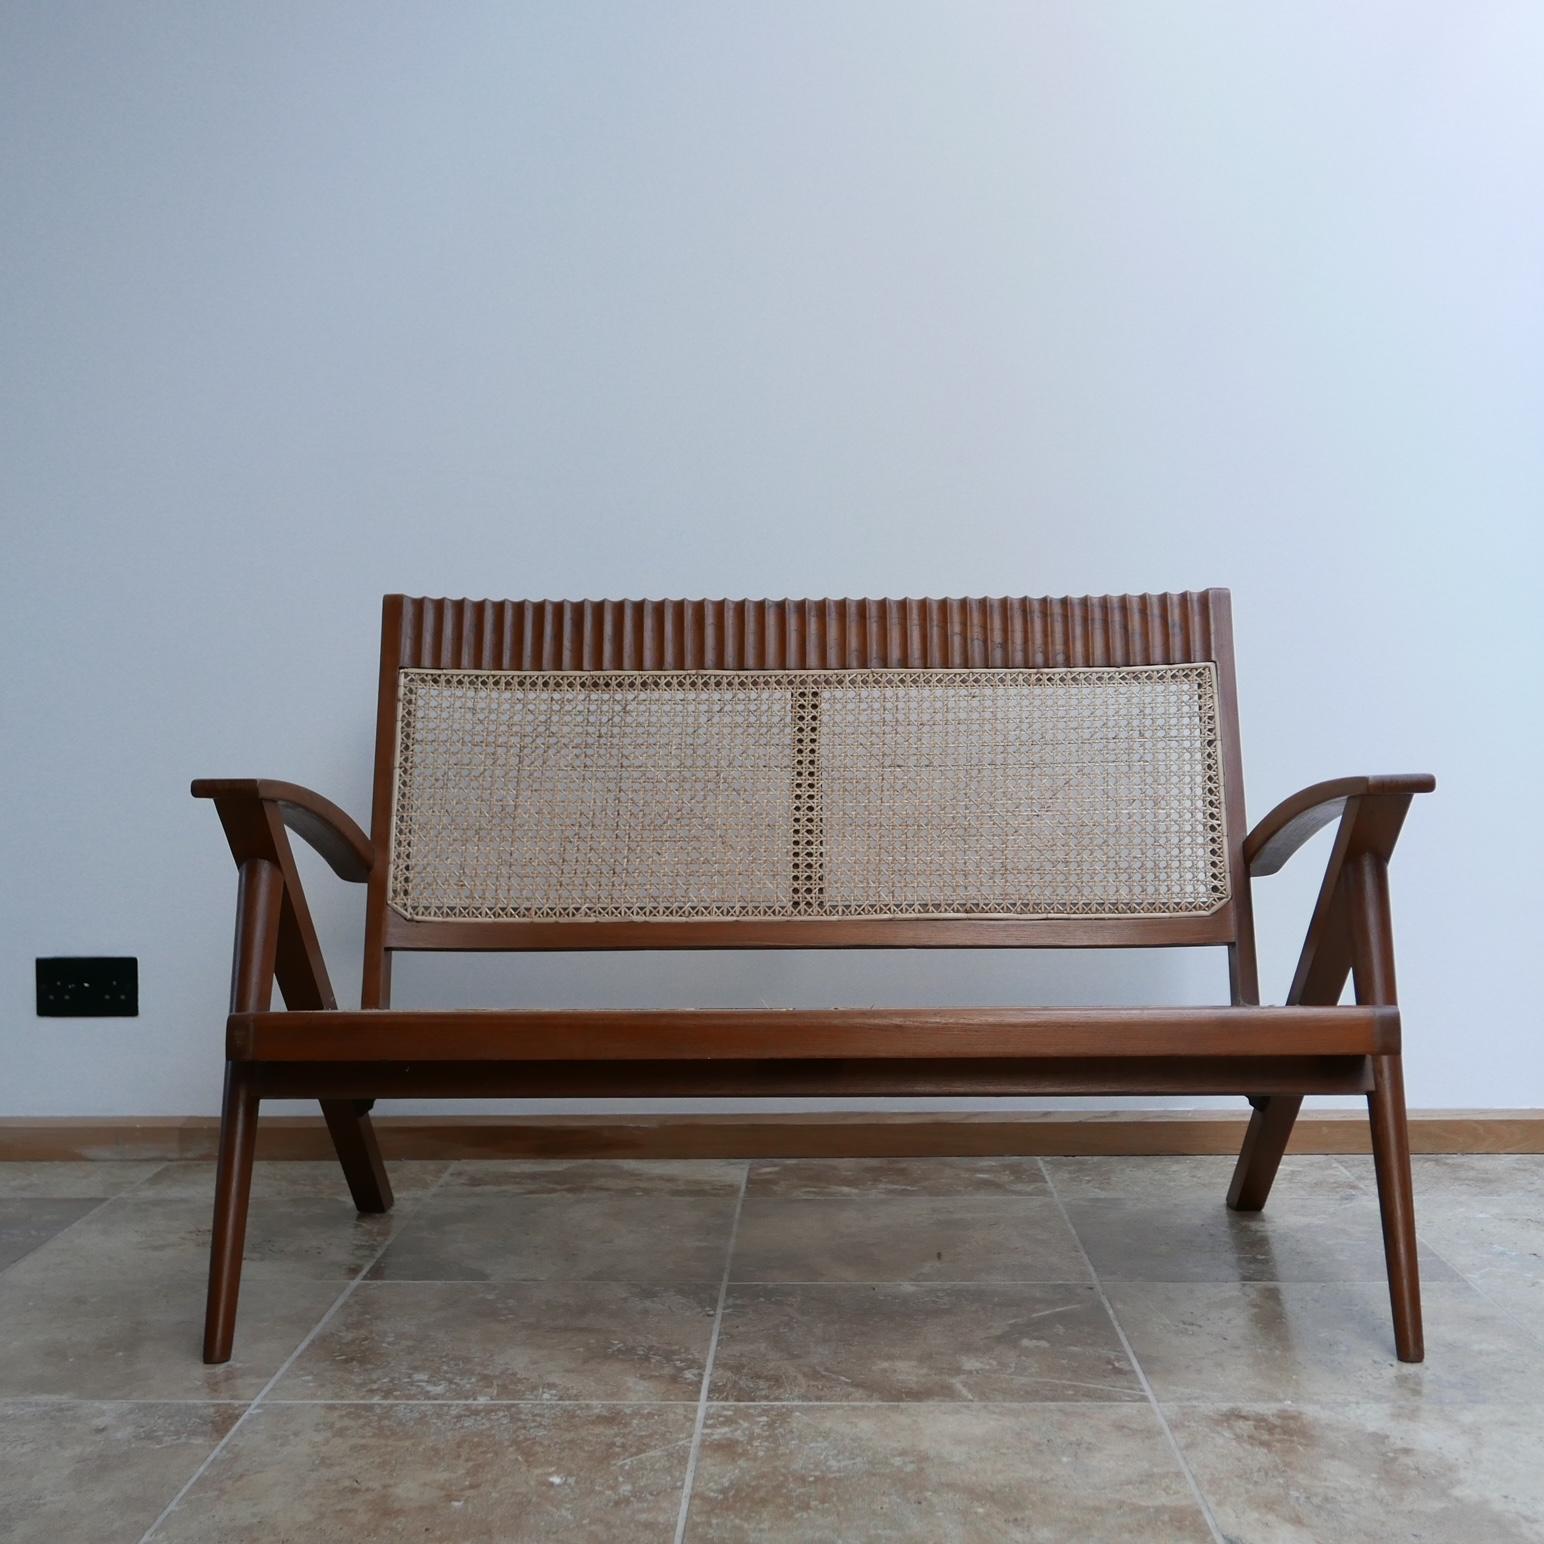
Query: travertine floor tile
point(510, 1340)
point(909, 1349)
point(1368, 1474)
point(471, 1236)
point(475, 1474)
point(301, 1178)
point(1336, 1240)
point(1440, 1176)
point(1332, 1343)
point(113, 1308)
point(904, 1238)
point(142, 1338)
point(616, 1176)
point(814, 1179)
point(82, 1180)
point(1497, 1243)
point(98, 1473)
point(133, 1237)
point(24, 1224)
point(1021, 1341)
point(957, 1474)
point(1200, 1182)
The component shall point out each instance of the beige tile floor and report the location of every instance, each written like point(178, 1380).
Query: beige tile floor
point(936, 1350)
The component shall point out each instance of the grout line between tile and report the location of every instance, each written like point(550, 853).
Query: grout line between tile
point(479, 1404)
point(1351, 1174)
point(283, 1368)
point(734, 1281)
point(539, 1281)
point(145, 1179)
point(43, 1243)
point(1195, 1489)
point(89, 1399)
point(676, 1404)
point(690, 1478)
point(916, 1281)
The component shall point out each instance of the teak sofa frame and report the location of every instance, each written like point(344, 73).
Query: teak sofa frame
point(1274, 1056)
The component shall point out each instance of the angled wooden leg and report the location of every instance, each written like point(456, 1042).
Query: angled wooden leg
point(232, 1189)
point(1372, 937)
point(348, 1123)
point(1396, 1200)
point(1270, 1128)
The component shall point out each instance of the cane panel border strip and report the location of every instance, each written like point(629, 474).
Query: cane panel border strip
point(653, 795)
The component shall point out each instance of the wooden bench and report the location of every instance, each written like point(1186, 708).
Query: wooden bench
point(810, 774)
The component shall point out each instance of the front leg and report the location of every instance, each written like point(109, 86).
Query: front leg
point(1396, 1203)
point(232, 1191)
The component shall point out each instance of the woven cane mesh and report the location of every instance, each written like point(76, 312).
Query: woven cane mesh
point(539, 796)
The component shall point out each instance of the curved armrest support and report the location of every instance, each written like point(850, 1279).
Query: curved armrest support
point(1372, 810)
point(1294, 820)
point(275, 937)
point(348, 851)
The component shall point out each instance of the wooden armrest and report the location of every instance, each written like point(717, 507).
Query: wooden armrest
point(1294, 820)
point(348, 851)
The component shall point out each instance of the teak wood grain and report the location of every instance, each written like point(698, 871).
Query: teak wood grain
point(729, 1078)
point(1273, 1056)
point(741, 1034)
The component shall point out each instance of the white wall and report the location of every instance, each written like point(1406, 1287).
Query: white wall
point(307, 302)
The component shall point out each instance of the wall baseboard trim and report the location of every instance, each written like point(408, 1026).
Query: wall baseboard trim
point(865, 1135)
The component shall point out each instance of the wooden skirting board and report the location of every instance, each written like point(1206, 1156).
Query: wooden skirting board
point(767, 1136)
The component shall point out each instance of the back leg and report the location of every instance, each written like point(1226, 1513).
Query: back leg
point(1270, 1128)
point(348, 1122)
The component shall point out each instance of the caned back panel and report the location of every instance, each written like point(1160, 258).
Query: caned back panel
point(797, 762)
point(632, 796)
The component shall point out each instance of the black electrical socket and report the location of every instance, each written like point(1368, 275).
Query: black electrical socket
point(88, 987)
